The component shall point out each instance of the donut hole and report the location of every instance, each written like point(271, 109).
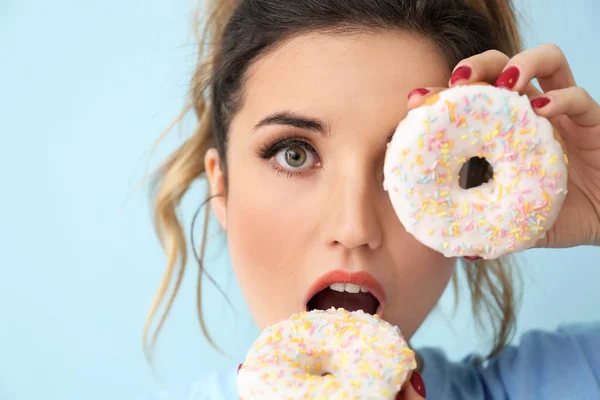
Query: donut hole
point(475, 172)
point(322, 373)
point(317, 366)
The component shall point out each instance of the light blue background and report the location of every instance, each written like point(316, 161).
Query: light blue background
point(85, 88)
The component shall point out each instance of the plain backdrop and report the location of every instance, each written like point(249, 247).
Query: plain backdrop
point(85, 89)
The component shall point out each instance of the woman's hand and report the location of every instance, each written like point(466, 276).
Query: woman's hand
point(414, 390)
point(569, 108)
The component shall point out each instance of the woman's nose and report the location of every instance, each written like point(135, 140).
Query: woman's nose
point(351, 217)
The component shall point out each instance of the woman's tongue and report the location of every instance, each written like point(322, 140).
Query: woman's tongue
point(328, 298)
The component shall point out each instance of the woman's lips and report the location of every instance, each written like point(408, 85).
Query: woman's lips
point(362, 278)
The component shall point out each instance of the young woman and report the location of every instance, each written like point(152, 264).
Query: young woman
point(296, 101)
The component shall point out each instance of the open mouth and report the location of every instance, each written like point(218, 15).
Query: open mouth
point(334, 290)
point(348, 296)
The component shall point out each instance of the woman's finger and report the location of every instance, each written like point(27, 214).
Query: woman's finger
point(547, 63)
point(418, 97)
point(414, 390)
point(574, 102)
point(484, 67)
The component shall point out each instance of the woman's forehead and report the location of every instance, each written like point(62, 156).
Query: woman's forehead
point(340, 75)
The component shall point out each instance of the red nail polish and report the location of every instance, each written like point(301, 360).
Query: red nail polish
point(400, 396)
point(472, 258)
point(417, 382)
point(508, 79)
point(421, 91)
point(240, 367)
point(540, 102)
point(460, 74)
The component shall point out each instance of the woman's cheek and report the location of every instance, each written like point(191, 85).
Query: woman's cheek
point(267, 229)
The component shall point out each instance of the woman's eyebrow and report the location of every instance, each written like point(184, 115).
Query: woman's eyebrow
point(295, 120)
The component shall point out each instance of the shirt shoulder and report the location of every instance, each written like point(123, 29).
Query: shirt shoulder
point(563, 364)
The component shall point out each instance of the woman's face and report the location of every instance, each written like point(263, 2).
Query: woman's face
point(305, 208)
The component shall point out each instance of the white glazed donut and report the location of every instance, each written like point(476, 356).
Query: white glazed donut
point(331, 354)
point(507, 214)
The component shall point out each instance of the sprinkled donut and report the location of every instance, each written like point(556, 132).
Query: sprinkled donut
point(510, 212)
point(331, 354)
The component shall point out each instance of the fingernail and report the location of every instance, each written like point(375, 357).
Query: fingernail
point(540, 102)
point(400, 396)
point(421, 91)
point(461, 73)
point(472, 258)
point(508, 79)
point(240, 367)
point(417, 382)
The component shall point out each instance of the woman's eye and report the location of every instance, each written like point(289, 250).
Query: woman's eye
point(295, 157)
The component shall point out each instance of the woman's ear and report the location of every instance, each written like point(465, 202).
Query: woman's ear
point(216, 186)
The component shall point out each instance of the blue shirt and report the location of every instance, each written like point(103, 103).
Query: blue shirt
point(561, 365)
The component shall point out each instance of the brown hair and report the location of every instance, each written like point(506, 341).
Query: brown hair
point(238, 32)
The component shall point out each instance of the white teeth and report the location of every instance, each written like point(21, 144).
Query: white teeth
point(348, 287)
point(352, 288)
point(338, 287)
